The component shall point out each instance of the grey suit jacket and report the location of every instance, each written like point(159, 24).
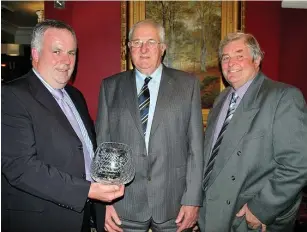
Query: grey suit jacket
point(262, 160)
point(171, 173)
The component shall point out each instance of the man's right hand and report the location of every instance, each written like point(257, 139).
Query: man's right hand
point(106, 193)
point(112, 220)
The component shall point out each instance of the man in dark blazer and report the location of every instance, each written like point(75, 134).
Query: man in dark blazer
point(45, 158)
point(165, 194)
point(256, 163)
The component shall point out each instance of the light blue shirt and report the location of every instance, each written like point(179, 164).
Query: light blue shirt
point(240, 92)
point(88, 151)
point(153, 87)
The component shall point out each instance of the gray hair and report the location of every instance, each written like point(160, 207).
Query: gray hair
point(41, 28)
point(249, 40)
point(151, 22)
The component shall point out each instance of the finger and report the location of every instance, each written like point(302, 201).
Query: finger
point(118, 194)
point(263, 229)
point(115, 218)
point(181, 228)
point(180, 216)
point(183, 225)
point(241, 213)
point(253, 226)
point(109, 188)
point(111, 226)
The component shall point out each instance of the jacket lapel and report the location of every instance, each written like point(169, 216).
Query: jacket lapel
point(128, 88)
point(45, 98)
point(164, 96)
point(83, 113)
point(239, 125)
point(212, 121)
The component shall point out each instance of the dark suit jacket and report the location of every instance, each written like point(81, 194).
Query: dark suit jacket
point(170, 175)
point(43, 173)
point(262, 160)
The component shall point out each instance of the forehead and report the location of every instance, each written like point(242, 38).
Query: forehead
point(147, 31)
point(62, 36)
point(235, 46)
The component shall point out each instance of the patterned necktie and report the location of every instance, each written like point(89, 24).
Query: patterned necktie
point(144, 101)
point(216, 147)
point(68, 111)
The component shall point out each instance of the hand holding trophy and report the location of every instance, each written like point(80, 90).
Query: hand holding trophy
point(113, 164)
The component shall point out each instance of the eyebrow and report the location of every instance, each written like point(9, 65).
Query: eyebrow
point(57, 48)
point(237, 51)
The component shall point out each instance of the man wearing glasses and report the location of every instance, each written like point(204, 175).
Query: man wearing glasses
point(157, 111)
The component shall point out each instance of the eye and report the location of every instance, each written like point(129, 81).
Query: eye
point(137, 43)
point(152, 42)
point(239, 57)
point(225, 58)
point(56, 52)
point(72, 53)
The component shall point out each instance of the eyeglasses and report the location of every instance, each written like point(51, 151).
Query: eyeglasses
point(151, 43)
point(227, 58)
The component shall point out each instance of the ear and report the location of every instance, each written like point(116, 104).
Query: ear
point(163, 48)
point(257, 62)
point(35, 54)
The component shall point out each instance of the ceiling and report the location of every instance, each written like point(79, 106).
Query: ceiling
point(17, 20)
point(21, 13)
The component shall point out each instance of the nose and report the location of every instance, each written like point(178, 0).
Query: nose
point(231, 61)
point(67, 59)
point(144, 48)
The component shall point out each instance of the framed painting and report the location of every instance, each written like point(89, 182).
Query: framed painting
point(193, 32)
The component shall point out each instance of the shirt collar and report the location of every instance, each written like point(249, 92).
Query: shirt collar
point(156, 75)
point(51, 89)
point(242, 90)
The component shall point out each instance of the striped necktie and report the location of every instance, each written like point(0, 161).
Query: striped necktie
point(67, 109)
point(216, 147)
point(144, 102)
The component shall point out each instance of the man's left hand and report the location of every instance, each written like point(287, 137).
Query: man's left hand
point(252, 221)
point(187, 217)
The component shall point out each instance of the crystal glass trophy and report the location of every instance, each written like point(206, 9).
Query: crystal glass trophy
point(113, 164)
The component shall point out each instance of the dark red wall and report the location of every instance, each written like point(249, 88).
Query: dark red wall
point(292, 65)
point(282, 34)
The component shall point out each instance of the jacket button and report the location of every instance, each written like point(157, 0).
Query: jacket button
point(83, 176)
point(228, 202)
point(233, 177)
point(80, 147)
point(239, 153)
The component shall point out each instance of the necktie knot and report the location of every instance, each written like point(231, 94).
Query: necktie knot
point(58, 94)
point(147, 79)
point(234, 97)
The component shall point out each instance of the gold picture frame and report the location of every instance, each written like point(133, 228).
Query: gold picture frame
point(232, 19)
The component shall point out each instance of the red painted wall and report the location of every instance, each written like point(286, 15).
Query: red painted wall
point(292, 65)
point(262, 20)
point(282, 34)
point(97, 25)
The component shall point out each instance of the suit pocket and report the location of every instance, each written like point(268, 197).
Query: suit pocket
point(254, 134)
point(181, 172)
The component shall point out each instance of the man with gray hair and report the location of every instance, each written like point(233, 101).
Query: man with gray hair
point(156, 110)
point(255, 147)
point(48, 141)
